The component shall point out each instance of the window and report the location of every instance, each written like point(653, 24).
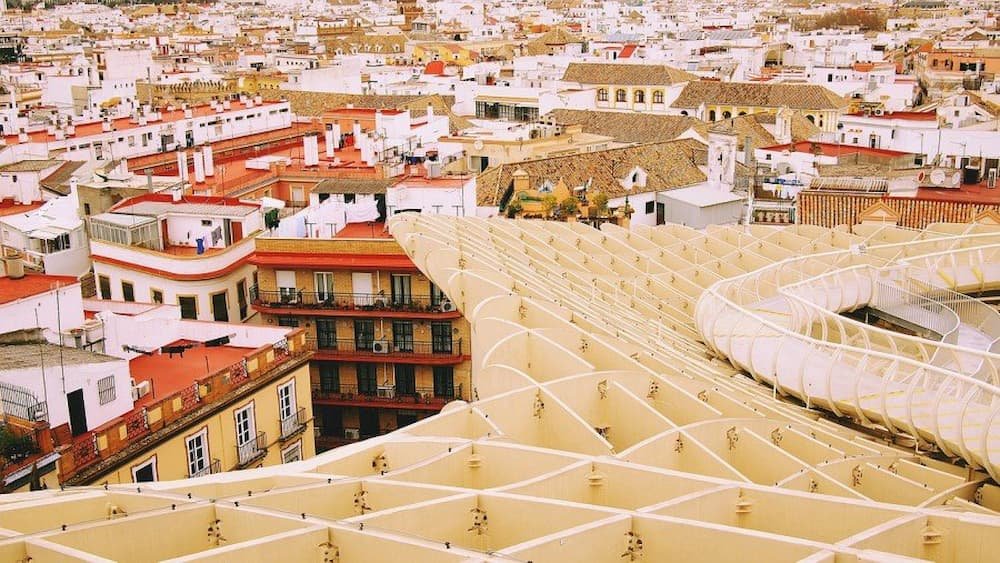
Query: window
point(324, 286)
point(286, 400)
point(220, 307)
point(329, 377)
point(639, 96)
point(246, 427)
point(106, 389)
point(620, 96)
point(602, 95)
point(104, 282)
point(287, 288)
point(86, 209)
point(189, 307)
point(241, 298)
point(726, 115)
point(406, 380)
point(441, 338)
point(657, 96)
point(711, 115)
point(364, 334)
point(292, 453)
point(145, 472)
point(326, 333)
point(650, 207)
point(444, 381)
point(367, 384)
point(197, 454)
point(437, 296)
point(401, 289)
point(402, 336)
point(156, 295)
point(289, 322)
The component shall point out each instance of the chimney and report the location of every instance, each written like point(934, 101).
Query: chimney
point(310, 149)
point(70, 130)
point(430, 112)
point(356, 130)
point(258, 99)
point(328, 141)
point(73, 184)
point(188, 113)
point(105, 126)
point(123, 166)
point(522, 182)
point(783, 127)
point(178, 194)
point(206, 154)
point(226, 104)
point(182, 166)
point(22, 136)
point(199, 168)
point(13, 266)
point(721, 161)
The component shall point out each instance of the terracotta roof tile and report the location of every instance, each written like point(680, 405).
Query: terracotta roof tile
point(756, 94)
point(626, 74)
point(668, 165)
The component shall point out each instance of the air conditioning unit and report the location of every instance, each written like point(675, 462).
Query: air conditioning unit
point(352, 433)
point(380, 346)
point(141, 389)
point(447, 306)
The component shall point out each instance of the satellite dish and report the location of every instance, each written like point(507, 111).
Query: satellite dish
point(937, 177)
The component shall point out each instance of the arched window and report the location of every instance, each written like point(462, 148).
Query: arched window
point(684, 113)
point(620, 96)
point(657, 96)
point(711, 115)
point(743, 113)
point(811, 119)
point(726, 115)
point(602, 95)
point(639, 96)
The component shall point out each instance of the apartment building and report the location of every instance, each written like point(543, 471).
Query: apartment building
point(390, 348)
point(206, 397)
point(126, 393)
point(189, 251)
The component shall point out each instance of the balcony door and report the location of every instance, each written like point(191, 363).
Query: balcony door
point(287, 288)
point(246, 426)
point(368, 421)
point(402, 336)
point(402, 293)
point(367, 380)
point(326, 333)
point(441, 338)
point(361, 285)
point(406, 380)
point(324, 286)
point(364, 334)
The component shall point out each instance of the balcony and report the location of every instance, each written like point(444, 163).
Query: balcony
point(422, 352)
point(210, 469)
point(293, 424)
point(353, 305)
point(252, 451)
point(389, 397)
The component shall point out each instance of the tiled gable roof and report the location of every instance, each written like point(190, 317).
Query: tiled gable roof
point(626, 127)
point(755, 94)
point(668, 165)
point(626, 74)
